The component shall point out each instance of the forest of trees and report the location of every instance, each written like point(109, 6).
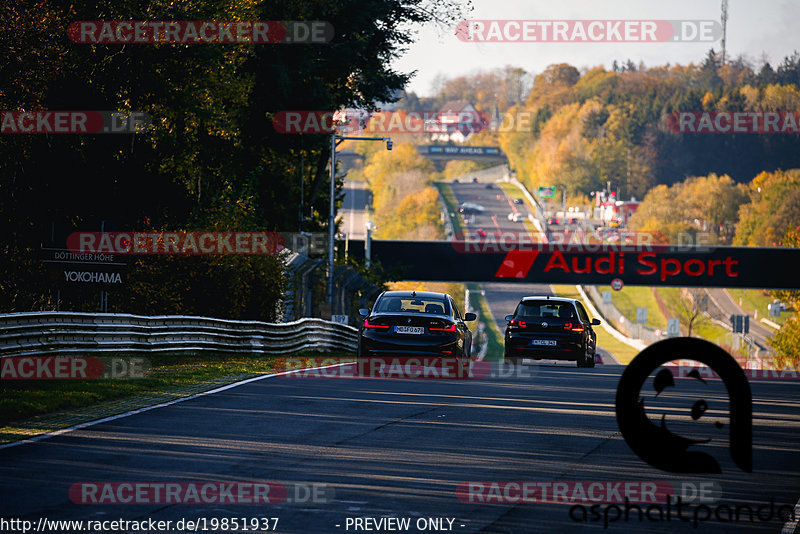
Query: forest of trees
point(405, 203)
point(706, 205)
point(212, 161)
point(502, 88)
point(595, 126)
point(585, 128)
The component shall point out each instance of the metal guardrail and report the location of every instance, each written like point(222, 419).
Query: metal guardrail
point(64, 333)
point(447, 223)
point(538, 219)
point(630, 328)
point(607, 326)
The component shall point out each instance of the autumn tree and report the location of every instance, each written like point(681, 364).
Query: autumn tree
point(786, 341)
point(690, 309)
point(774, 208)
point(594, 126)
point(211, 160)
point(460, 167)
point(501, 87)
point(406, 205)
point(706, 205)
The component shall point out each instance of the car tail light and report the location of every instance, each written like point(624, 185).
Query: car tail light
point(517, 322)
point(451, 328)
point(575, 328)
point(367, 324)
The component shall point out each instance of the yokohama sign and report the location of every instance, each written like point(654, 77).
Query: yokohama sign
point(92, 277)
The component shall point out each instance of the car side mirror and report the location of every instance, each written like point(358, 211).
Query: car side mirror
point(509, 317)
point(470, 316)
point(363, 312)
point(595, 322)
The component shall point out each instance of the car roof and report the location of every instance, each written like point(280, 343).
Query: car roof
point(416, 294)
point(548, 297)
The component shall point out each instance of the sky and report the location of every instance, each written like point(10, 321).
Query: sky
point(756, 29)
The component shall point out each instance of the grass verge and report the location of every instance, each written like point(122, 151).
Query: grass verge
point(452, 207)
point(30, 407)
point(629, 298)
point(753, 300)
point(496, 340)
point(702, 327)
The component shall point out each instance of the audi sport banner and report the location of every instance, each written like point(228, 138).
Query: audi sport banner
point(592, 264)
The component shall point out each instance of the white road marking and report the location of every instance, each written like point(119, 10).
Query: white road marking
point(80, 426)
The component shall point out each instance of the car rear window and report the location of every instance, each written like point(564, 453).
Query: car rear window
point(545, 309)
point(414, 305)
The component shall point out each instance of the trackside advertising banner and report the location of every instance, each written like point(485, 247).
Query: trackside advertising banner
point(592, 264)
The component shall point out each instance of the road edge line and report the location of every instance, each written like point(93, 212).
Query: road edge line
point(79, 426)
point(790, 527)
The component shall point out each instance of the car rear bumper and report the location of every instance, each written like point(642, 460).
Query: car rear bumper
point(566, 349)
point(383, 345)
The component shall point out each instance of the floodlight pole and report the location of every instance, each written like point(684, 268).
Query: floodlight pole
point(336, 140)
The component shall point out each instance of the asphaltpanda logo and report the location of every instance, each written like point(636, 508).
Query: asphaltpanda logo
point(657, 444)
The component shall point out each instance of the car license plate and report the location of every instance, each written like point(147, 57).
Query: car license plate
point(409, 329)
point(546, 342)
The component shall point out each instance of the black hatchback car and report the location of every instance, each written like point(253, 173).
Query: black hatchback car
point(414, 323)
point(550, 328)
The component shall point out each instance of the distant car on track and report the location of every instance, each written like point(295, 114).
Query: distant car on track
point(550, 328)
point(480, 232)
point(518, 201)
point(414, 323)
point(515, 216)
point(552, 220)
point(470, 207)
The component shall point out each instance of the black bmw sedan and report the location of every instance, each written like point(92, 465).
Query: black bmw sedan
point(551, 328)
point(414, 323)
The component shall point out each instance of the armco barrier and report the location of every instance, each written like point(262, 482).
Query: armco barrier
point(63, 333)
point(537, 217)
point(624, 324)
point(635, 343)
